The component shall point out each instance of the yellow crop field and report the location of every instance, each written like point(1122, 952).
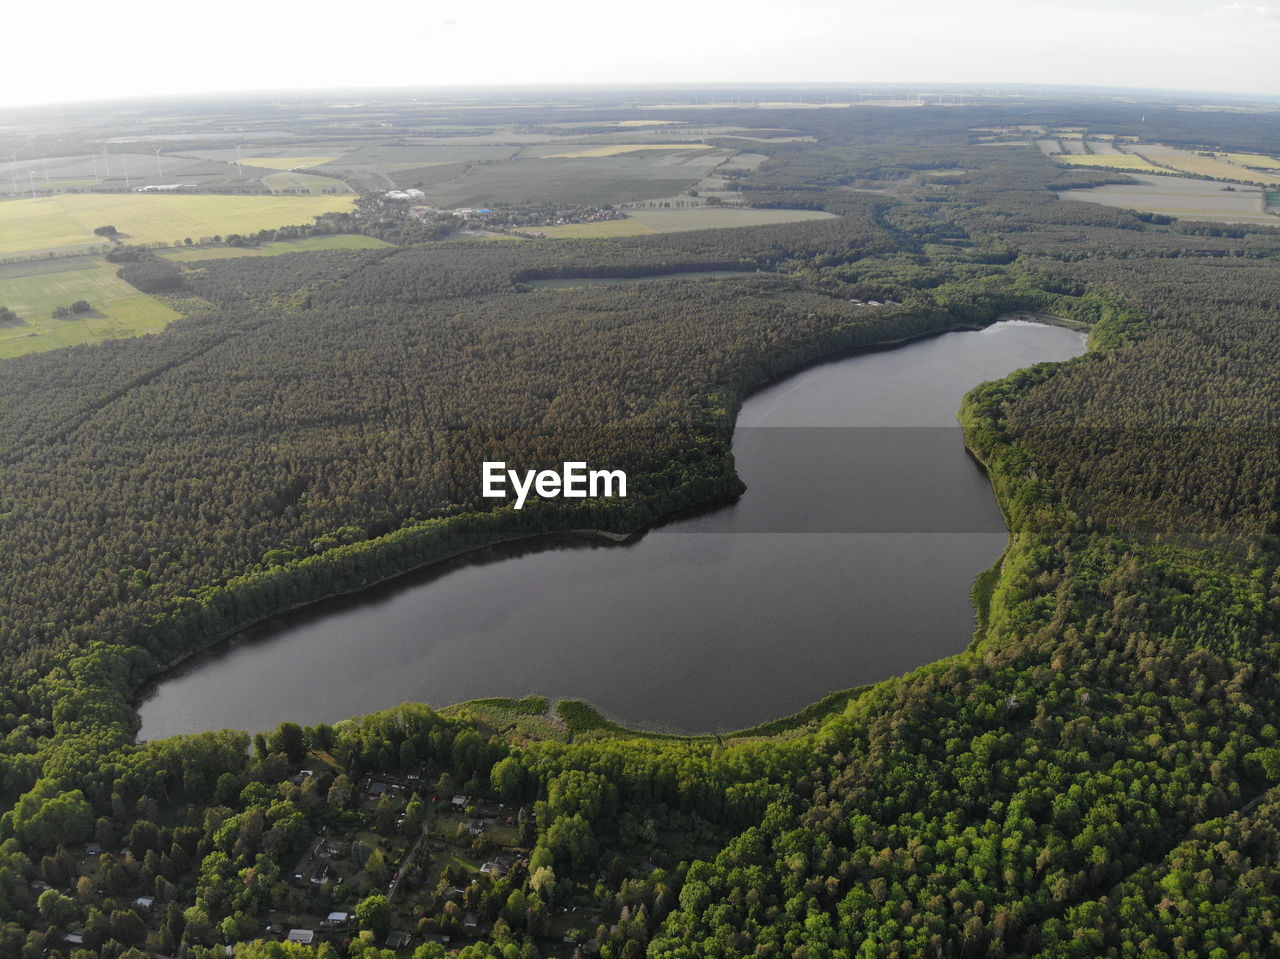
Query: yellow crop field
point(67, 221)
point(288, 163)
point(1110, 161)
point(33, 291)
point(1188, 162)
point(616, 148)
point(1258, 160)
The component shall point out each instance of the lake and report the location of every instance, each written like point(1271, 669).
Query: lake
point(849, 559)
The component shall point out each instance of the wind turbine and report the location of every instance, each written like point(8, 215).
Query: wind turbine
point(159, 170)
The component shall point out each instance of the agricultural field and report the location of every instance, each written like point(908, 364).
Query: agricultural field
point(340, 241)
point(613, 180)
point(293, 182)
point(1110, 161)
point(604, 228)
point(616, 149)
point(288, 163)
point(1049, 147)
point(117, 171)
point(1181, 197)
point(1188, 162)
point(676, 220)
point(65, 223)
point(34, 289)
point(1073, 145)
point(1257, 161)
point(1101, 147)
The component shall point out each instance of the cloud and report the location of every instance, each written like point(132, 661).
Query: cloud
point(1250, 13)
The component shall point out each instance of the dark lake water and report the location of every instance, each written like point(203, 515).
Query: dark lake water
point(848, 560)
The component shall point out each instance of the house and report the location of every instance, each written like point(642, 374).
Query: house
point(397, 939)
point(458, 802)
point(144, 902)
point(336, 918)
point(471, 921)
point(377, 790)
point(493, 869)
point(304, 936)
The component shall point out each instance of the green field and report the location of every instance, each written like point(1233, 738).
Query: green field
point(66, 223)
point(33, 290)
point(341, 241)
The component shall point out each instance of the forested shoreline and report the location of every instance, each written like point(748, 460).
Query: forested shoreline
point(1096, 775)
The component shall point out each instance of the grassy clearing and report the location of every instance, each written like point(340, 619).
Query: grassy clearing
point(526, 718)
point(618, 148)
point(340, 241)
point(119, 310)
point(583, 721)
point(289, 163)
point(67, 222)
point(1110, 161)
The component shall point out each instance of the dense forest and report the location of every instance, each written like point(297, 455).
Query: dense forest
point(1099, 774)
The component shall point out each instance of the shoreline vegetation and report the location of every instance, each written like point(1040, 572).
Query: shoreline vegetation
point(566, 515)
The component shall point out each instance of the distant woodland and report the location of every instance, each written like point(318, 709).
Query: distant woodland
point(1096, 776)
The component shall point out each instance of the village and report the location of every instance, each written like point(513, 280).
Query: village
point(445, 865)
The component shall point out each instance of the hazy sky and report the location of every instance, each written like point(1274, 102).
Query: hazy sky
point(81, 50)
